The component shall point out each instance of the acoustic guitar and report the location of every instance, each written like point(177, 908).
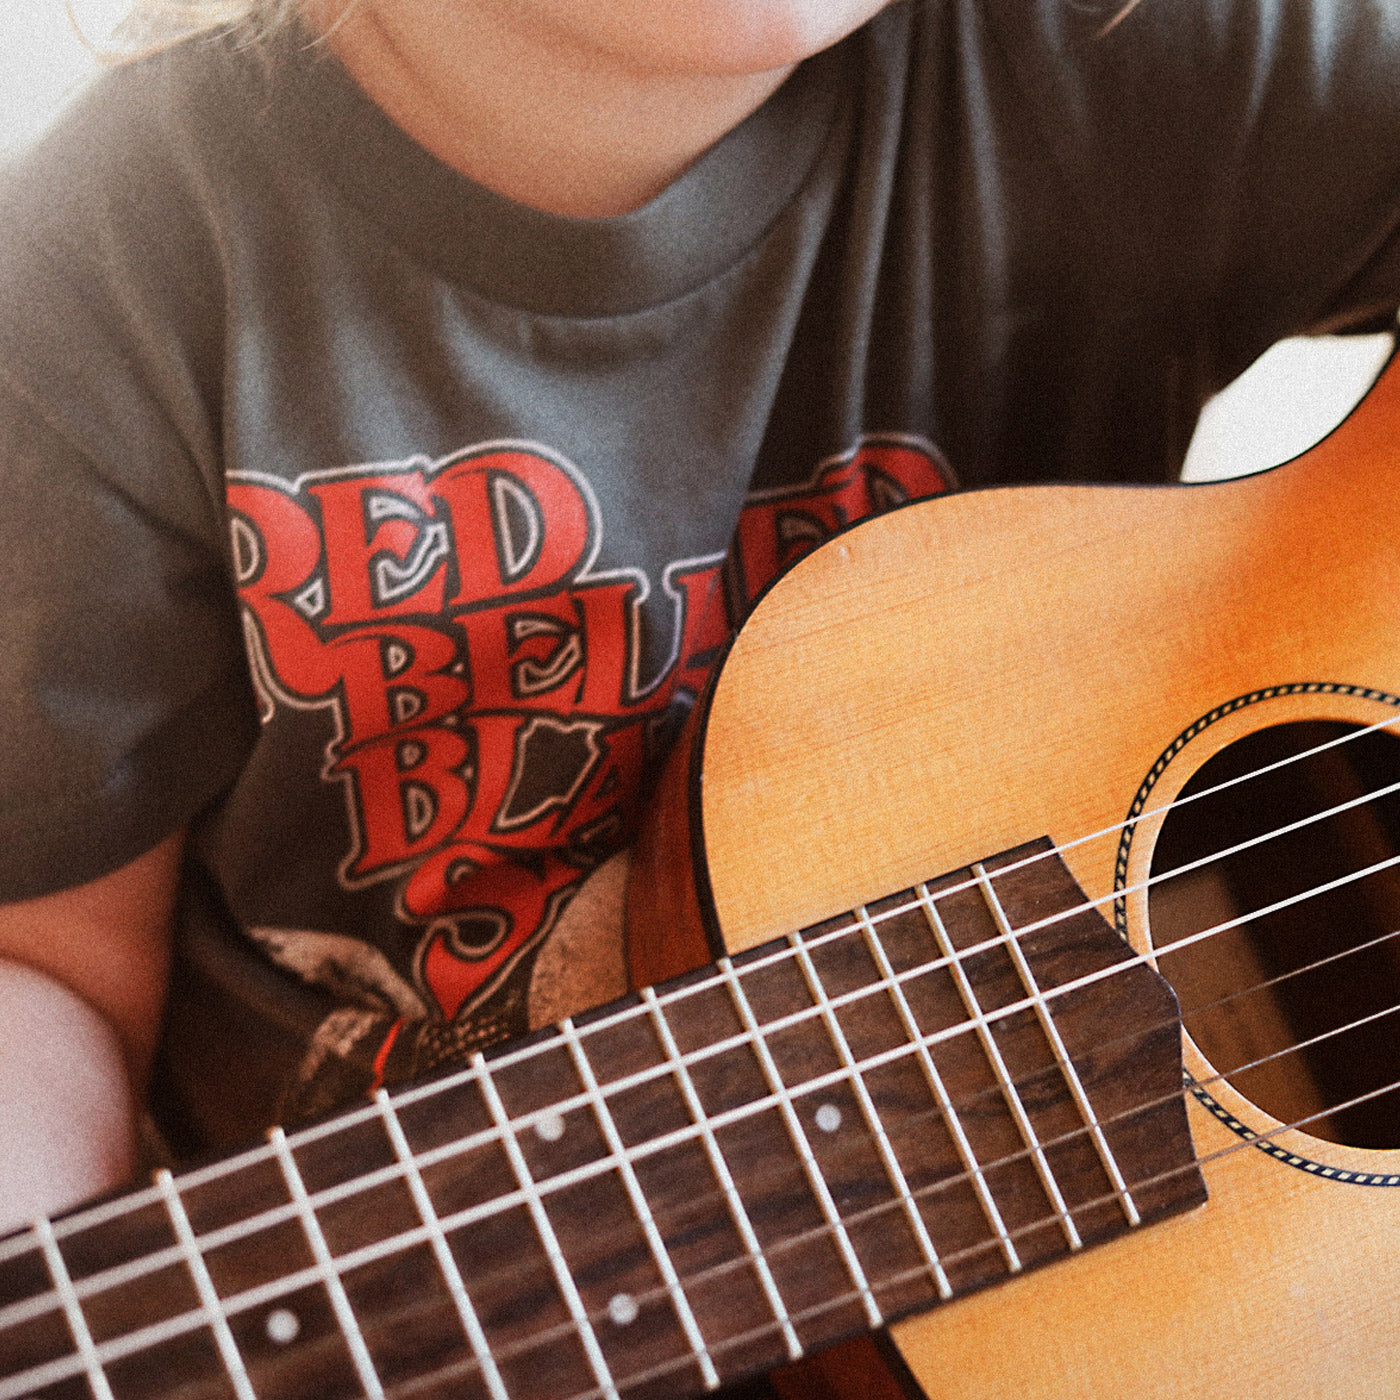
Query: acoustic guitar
point(1046, 839)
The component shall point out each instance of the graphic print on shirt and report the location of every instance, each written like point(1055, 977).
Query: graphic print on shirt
point(497, 699)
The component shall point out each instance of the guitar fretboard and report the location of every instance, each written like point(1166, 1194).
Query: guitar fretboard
point(823, 1135)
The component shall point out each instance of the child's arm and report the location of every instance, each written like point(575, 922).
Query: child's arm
point(82, 982)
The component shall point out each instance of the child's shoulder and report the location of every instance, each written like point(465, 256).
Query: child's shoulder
point(120, 151)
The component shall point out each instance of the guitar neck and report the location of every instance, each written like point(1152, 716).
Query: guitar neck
point(837, 1129)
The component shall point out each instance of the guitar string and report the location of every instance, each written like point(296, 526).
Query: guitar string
point(697, 985)
point(969, 1102)
point(1019, 932)
point(662, 1069)
point(734, 1042)
point(944, 892)
point(914, 1272)
point(1149, 814)
point(694, 986)
point(1107, 1199)
point(551, 1335)
point(851, 1297)
point(944, 1184)
point(990, 1165)
point(561, 1331)
point(868, 991)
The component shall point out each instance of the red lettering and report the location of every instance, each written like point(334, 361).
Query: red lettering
point(609, 625)
point(283, 547)
point(498, 904)
point(704, 625)
point(520, 522)
point(776, 532)
point(914, 470)
point(613, 789)
point(396, 679)
point(411, 793)
point(495, 750)
point(611, 618)
point(385, 554)
point(521, 654)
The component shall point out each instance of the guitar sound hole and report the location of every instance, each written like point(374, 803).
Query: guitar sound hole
point(1298, 1008)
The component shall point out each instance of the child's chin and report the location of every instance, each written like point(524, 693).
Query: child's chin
point(719, 37)
point(761, 35)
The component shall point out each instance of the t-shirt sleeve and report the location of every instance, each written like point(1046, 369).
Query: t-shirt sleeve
point(1235, 163)
point(125, 701)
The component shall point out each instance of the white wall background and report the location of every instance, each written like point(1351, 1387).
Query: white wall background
point(48, 48)
point(46, 51)
point(1294, 395)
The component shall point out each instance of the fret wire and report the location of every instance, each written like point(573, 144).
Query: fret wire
point(379, 1250)
point(1057, 1044)
point(970, 1251)
point(545, 1230)
point(707, 1052)
point(114, 1209)
point(894, 988)
point(640, 1205)
point(1085, 905)
point(737, 1210)
point(905, 1275)
point(947, 1110)
point(447, 1264)
point(1056, 851)
point(27, 1309)
point(799, 1140)
point(208, 1172)
point(133, 1269)
point(73, 1311)
point(326, 1272)
point(1008, 1088)
point(1052, 852)
point(676, 994)
point(12, 1246)
point(173, 1327)
point(267, 1292)
point(138, 1268)
point(203, 1175)
point(155, 1334)
point(873, 1120)
point(250, 1225)
point(816, 1310)
point(128, 1344)
point(204, 1286)
point(756, 1333)
point(242, 1229)
point(97, 1214)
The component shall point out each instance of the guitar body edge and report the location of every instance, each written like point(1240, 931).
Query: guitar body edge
point(965, 674)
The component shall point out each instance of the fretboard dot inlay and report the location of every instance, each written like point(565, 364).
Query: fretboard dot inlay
point(622, 1309)
point(283, 1326)
point(550, 1127)
point(656, 1201)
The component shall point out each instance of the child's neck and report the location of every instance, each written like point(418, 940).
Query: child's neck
point(533, 114)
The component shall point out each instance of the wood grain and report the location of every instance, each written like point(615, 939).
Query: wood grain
point(976, 670)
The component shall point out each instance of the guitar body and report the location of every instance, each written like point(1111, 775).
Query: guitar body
point(973, 672)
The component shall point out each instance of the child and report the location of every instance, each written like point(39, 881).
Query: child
point(400, 403)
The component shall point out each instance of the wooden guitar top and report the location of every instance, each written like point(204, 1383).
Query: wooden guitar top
point(975, 671)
